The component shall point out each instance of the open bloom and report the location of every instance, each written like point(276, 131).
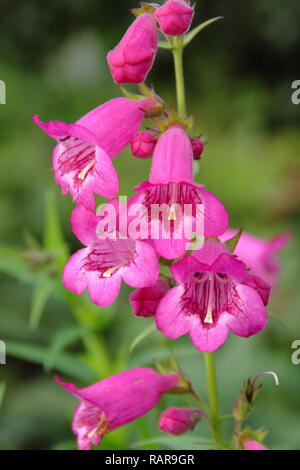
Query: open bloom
point(173, 202)
point(131, 60)
point(116, 401)
point(212, 298)
point(260, 255)
point(175, 17)
point(144, 301)
point(251, 444)
point(177, 421)
point(82, 159)
point(105, 262)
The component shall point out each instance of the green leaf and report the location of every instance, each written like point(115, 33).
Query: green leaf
point(41, 294)
point(61, 340)
point(164, 45)
point(232, 243)
point(66, 363)
point(192, 34)
point(141, 336)
point(53, 236)
point(13, 263)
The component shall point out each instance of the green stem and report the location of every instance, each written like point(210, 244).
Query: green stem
point(215, 419)
point(179, 74)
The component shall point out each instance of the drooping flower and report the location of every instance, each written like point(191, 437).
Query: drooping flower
point(116, 401)
point(144, 301)
point(177, 421)
point(173, 201)
point(260, 255)
point(143, 144)
point(251, 444)
point(82, 159)
point(132, 59)
point(105, 262)
point(175, 17)
point(211, 298)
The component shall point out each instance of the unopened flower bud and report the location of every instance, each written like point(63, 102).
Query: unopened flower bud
point(143, 144)
point(131, 60)
point(175, 17)
point(144, 301)
point(198, 148)
point(177, 421)
point(251, 444)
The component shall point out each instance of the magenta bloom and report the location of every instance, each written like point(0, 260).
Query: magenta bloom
point(144, 301)
point(132, 59)
point(175, 17)
point(104, 263)
point(115, 401)
point(171, 186)
point(177, 421)
point(251, 444)
point(143, 144)
point(260, 255)
point(82, 159)
point(211, 299)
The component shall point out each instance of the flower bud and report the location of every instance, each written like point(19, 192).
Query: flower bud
point(175, 17)
point(131, 60)
point(143, 144)
point(144, 302)
point(177, 421)
point(251, 444)
point(198, 148)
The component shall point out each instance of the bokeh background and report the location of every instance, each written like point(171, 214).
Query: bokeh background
point(239, 74)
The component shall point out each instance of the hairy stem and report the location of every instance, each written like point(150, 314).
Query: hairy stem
point(179, 74)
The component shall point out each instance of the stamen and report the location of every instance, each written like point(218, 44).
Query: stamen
point(110, 271)
point(84, 172)
point(209, 319)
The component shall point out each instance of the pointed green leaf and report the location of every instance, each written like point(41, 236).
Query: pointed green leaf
point(192, 34)
point(41, 294)
point(53, 236)
point(61, 340)
point(2, 392)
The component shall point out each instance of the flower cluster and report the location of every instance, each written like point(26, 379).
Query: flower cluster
point(219, 280)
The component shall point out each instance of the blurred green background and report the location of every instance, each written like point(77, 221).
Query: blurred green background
point(239, 74)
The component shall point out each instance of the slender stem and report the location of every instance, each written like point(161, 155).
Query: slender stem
point(215, 419)
point(179, 74)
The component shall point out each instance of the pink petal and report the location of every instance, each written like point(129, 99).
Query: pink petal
point(210, 252)
point(187, 266)
point(106, 182)
point(228, 264)
point(73, 278)
point(143, 271)
point(258, 284)
point(84, 224)
point(103, 292)
point(169, 317)
point(215, 214)
point(208, 339)
point(252, 316)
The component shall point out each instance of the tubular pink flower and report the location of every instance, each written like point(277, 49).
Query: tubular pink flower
point(82, 159)
point(171, 184)
point(260, 255)
point(211, 298)
point(251, 444)
point(143, 144)
point(105, 263)
point(175, 17)
point(144, 301)
point(177, 421)
point(132, 59)
point(115, 401)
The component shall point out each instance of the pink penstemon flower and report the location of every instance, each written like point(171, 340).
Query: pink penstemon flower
point(116, 401)
point(144, 301)
point(211, 299)
point(260, 255)
point(82, 159)
point(105, 263)
point(131, 60)
point(172, 186)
